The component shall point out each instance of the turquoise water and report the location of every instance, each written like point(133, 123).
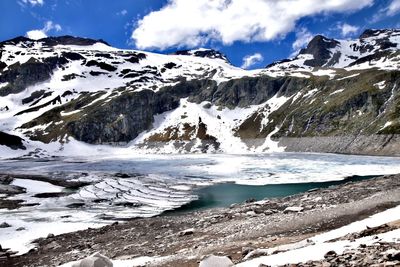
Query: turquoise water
point(224, 195)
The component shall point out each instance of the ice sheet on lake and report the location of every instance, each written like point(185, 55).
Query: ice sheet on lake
point(156, 183)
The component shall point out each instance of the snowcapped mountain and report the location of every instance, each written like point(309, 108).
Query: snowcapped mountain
point(58, 91)
point(374, 48)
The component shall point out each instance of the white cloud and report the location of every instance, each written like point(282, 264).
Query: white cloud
point(393, 8)
point(192, 23)
point(122, 12)
point(347, 29)
point(33, 2)
point(250, 60)
point(36, 34)
point(42, 33)
point(303, 37)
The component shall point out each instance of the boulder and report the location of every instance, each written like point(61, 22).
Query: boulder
point(95, 260)
point(293, 209)
point(186, 232)
point(216, 261)
point(5, 225)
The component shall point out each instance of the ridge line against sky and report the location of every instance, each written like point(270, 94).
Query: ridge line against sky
point(251, 33)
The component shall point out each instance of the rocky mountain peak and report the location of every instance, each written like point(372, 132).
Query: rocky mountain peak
point(16, 40)
point(319, 47)
point(71, 40)
point(53, 41)
point(203, 52)
point(368, 33)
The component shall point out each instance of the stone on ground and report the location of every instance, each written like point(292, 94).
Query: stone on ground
point(216, 261)
point(95, 260)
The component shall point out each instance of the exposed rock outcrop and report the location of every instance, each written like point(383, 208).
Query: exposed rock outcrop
point(11, 141)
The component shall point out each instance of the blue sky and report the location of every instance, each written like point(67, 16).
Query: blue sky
point(252, 33)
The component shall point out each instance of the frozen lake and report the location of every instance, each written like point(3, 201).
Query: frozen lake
point(147, 185)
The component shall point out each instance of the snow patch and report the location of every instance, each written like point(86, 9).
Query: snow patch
point(316, 247)
point(328, 72)
point(380, 85)
point(387, 124)
point(337, 92)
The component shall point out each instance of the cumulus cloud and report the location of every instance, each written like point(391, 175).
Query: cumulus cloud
point(347, 29)
point(303, 37)
point(36, 34)
point(192, 23)
point(33, 2)
point(251, 60)
point(42, 33)
point(393, 8)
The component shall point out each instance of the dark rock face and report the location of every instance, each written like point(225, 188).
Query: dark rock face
point(33, 71)
point(111, 124)
point(72, 56)
point(170, 65)
point(278, 62)
point(35, 95)
point(135, 57)
point(36, 108)
point(70, 40)
point(2, 65)
point(208, 53)
point(124, 118)
point(53, 41)
point(101, 65)
point(319, 48)
point(253, 91)
point(11, 141)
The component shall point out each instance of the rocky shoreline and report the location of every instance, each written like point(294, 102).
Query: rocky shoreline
point(185, 239)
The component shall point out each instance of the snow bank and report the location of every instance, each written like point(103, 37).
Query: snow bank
point(315, 248)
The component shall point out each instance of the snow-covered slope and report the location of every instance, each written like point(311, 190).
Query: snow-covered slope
point(89, 67)
point(58, 89)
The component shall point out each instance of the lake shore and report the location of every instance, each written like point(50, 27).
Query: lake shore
point(184, 239)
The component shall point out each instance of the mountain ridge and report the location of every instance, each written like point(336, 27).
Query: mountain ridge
point(60, 89)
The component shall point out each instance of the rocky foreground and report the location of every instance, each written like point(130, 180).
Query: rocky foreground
point(237, 232)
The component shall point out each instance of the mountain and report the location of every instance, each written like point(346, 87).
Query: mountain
point(371, 46)
point(334, 96)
